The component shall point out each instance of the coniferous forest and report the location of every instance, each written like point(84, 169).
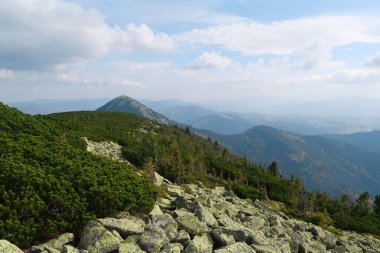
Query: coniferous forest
point(51, 184)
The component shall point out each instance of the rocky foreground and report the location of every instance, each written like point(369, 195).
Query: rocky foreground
point(194, 219)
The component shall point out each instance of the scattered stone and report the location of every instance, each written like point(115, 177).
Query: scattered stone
point(156, 211)
point(58, 242)
point(191, 224)
point(172, 248)
point(183, 238)
point(158, 180)
point(200, 244)
point(97, 239)
point(194, 219)
point(124, 227)
point(240, 247)
point(221, 239)
point(153, 238)
point(130, 247)
point(69, 249)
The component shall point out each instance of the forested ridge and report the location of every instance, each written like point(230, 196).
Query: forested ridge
point(50, 184)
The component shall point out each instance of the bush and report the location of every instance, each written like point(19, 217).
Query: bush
point(49, 187)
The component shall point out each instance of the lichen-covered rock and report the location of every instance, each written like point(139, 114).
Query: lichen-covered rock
point(69, 249)
point(153, 238)
point(97, 239)
point(173, 190)
point(58, 242)
point(183, 238)
point(164, 203)
point(156, 211)
point(124, 227)
point(172, 248)
point(240, 247)
point(130, 247)
point(200, 244)
point(221, 239)
point(7, 247)
point(191, 224)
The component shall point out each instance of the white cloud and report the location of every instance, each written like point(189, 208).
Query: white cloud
point(373, 61)
point(142, 38)
point(43, 34)
point(313, 39)
point(211, 60)
point(4, 73)
point(129, 83)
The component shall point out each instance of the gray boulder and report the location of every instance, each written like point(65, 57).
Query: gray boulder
point(153, 238)
point(221, 239)
point(130, 247)
point(191, 224)
point(200, 244)
point(58, 242)
point(69, 249)
point(172, 248)
point(97, 239)
point(240, 247)
point(183, 238)
point(125, 227)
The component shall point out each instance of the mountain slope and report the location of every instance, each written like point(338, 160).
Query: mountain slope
point(130, 105)
point(365, 140)
point(222, 123)
point(49, 186)
point(323, 164)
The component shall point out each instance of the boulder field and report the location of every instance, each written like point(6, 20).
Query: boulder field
point(195, 219)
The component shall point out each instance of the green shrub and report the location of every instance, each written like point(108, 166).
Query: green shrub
point(49, 187)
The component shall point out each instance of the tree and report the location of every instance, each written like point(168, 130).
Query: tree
point(376, 204)
point(362, 207)
point(273, 169)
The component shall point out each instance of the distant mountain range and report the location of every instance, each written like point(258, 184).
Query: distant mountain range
point(323, 164)
point(47, 106)
point(200, 116)
point(130, 105)
point(367, 140)
point(234, 123)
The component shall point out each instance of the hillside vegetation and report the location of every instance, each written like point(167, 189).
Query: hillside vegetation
point(51, 184)
point(48, 186)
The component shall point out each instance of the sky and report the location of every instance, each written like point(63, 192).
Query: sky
point(209, 51)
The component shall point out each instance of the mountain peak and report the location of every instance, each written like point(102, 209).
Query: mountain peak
point(127, 104)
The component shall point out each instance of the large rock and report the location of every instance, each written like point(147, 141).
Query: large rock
point(191, 224)
point(173, 190)
point(130, 247)
point(153, 238)
point(172, 248)
point(58, 242)
point(221, 239)
point(158, 180)
point(97, 239)
point(125, 227)
point(69, 249)
point(156, 211)
point(254, 222)
point(7, 247)
point(240, 247)
point(200, 244)
point(183, 238)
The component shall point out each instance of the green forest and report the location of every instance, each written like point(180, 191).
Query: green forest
point(50, 184)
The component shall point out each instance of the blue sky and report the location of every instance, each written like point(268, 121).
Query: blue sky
point(200, 51)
